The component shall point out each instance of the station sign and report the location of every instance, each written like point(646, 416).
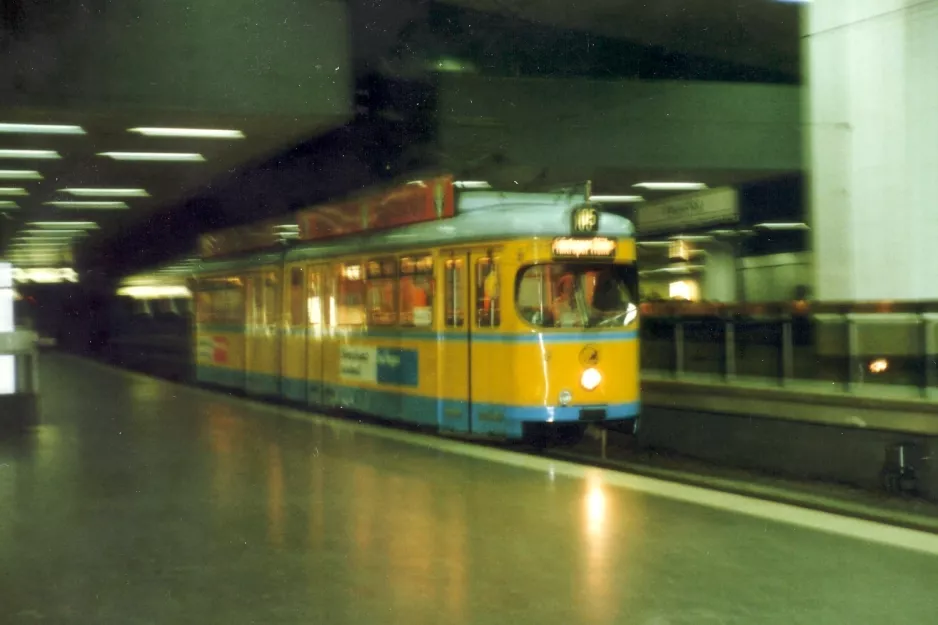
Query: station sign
point(707, 208)
point(592, 247)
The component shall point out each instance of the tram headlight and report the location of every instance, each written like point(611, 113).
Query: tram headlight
point(565, 397)
point(590, 379)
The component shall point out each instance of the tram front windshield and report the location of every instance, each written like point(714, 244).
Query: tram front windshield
point(568, 295)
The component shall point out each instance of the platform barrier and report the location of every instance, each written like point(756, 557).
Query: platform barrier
point(19, 378)
point(880, 349)
point(842, 392)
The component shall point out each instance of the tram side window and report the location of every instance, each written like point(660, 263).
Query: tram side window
point(416, 287)
point(256, 312)
point(220, 301)
point(297, 302)
point(454, 293)
point(314, 309)
point(272, 299)
point(488, 300)
point(203, 303)
point(350, 296)
point(381, 292)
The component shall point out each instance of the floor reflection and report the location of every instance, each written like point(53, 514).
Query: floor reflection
point(275, 503)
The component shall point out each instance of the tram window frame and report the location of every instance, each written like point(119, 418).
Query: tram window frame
point(348, 273)
point(417, 269)
point(296, 312)
point(381, 273)
point(454, 313)
point(225, 301)
point(315, 279)
point(494, 318)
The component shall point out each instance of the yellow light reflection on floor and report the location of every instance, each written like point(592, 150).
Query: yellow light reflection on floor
point(274, 495)
point(597, 577)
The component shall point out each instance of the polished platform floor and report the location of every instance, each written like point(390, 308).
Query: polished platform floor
point(140, 501)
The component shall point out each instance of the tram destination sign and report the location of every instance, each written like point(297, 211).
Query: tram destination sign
point(579, 247)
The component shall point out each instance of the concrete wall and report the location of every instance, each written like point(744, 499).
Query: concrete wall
point(791, 432)
point(774, 278)
point(583, 123)
point(278, 57)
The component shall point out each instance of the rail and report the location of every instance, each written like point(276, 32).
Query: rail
point(882, 349)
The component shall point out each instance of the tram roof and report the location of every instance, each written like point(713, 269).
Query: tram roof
point(481, 217)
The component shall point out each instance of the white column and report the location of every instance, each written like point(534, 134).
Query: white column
point(871, 107)
point(720, 273)
point(7, 363)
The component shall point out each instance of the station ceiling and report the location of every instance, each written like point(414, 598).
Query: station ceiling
point(760, 33)
point(96, 170)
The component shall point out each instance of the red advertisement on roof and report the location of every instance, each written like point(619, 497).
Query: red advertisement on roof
point(415, 202)
point(261, 235)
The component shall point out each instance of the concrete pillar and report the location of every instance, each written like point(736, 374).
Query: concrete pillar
point(720, 273)
point(872, 147)
point(7, 363)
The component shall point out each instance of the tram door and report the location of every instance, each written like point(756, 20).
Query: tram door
point(317, 310)
point(486, 351)
point(453, 358)
point(293, 335)
point(262, 340)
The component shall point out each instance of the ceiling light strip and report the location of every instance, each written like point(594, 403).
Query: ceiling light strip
point(32, 154)
point(88, 225)
point(90, 205)
point(671, 186)
point(192, 133)
point(41, 129)
point(20, 174)
point(105, 192)
point(192, 157)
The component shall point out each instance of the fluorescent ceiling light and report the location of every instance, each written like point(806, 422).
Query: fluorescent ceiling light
point(115, 205)
point(42, 129)
point(472, 184)
point(88, 225)
point(106, 192)
point(692, 238)
point(8, 204)
point(671, 186)
point(53, 234)
point(616, 198)
point(287, 227)
point(155, 156)
point(152, 292)
point(198, 133)
point(39, 154)
point(8, 191)
point(20, 174)
point(783, 226)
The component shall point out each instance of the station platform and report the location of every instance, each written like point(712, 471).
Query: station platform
point(138, 500)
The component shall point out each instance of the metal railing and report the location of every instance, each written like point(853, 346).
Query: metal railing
point(885, 349)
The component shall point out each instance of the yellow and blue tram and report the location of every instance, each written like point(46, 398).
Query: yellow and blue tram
point(510, 311)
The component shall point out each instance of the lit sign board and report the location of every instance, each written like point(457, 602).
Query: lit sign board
point(595, 247)
point(585, 220)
